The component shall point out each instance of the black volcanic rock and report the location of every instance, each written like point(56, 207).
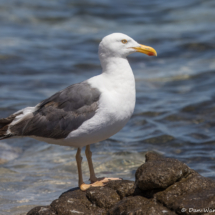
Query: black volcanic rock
point(159, 173)
point(75, 202)
point(123, 188)
point(163, 186)
point(195, 191)
point(138, 205)
point(42, 210)
point(103, 197)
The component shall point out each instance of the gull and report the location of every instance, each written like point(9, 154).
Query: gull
point(86, 112)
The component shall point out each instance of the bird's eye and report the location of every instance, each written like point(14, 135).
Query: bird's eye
point(124, 41)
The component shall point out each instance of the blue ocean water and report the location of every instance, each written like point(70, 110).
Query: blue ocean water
point(47, 45)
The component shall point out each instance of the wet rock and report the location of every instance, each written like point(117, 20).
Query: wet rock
point(75, 202)
point(123, 188)
point(139, 205)
point(103, 197)
point(201, 201)
point(194, 191)
point(41, 210)
point(162, 186)
point(159, 172)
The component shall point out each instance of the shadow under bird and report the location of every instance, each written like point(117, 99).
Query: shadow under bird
point(87, 112)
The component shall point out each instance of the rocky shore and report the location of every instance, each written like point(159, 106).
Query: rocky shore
point(162, 186)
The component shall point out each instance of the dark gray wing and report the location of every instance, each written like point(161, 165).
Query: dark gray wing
point(60, 114)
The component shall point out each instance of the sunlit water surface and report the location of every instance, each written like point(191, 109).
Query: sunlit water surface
point(48, 45)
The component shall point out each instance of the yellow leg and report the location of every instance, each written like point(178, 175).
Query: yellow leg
point(96, 182)
point(90, 164)
point(79, 160)
point(81, 183)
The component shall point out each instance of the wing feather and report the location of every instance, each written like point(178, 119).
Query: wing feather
point(60, 114)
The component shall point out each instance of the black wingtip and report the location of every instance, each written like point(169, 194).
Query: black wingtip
point(6, 137)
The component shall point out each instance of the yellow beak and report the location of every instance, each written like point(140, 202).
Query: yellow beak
point(146, 50)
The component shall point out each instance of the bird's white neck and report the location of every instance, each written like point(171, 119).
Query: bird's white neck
point(115, 66)
point(117, 87)
point(118, 76)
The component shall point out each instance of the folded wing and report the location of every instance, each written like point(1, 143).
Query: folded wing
point(56, 116)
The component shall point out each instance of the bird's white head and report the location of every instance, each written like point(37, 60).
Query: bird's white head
point(120, 45)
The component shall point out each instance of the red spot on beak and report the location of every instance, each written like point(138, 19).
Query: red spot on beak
point(151, 54)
